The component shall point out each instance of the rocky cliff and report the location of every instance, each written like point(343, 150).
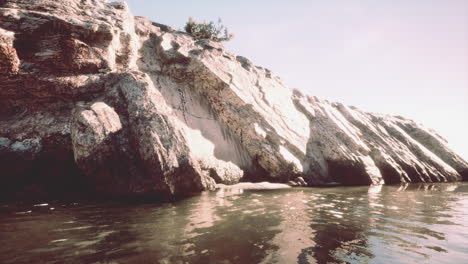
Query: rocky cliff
point(92, 96)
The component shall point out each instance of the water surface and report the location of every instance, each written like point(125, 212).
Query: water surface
point(421, 223)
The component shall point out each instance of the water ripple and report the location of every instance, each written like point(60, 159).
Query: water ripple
point(416, 223)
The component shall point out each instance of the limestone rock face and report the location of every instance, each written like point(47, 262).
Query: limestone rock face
point(129, 106)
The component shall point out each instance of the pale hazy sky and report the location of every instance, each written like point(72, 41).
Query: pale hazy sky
point(389, 56)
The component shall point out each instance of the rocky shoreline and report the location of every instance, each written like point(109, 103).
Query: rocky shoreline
point(93, 98)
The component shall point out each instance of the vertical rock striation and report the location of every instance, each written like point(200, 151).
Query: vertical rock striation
point(90, 94)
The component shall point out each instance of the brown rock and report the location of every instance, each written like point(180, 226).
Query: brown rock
point(9, 62)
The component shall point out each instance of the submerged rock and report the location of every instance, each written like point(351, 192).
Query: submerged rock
point(251, 186)
point(129, 106)
point(298, 182)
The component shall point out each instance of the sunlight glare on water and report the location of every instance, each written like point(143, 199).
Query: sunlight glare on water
point(418, 223)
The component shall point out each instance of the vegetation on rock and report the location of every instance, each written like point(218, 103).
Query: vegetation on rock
point(208, 30)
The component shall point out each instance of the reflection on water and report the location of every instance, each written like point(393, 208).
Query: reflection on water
point(423, 223)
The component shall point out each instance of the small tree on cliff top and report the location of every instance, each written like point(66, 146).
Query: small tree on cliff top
point(208, 30)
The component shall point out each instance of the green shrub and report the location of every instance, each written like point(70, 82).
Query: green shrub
point(213, 31)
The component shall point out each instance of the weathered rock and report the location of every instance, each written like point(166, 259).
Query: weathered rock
point(9, 61)
point(298, 182)
point(301, 181)
point(130, 107)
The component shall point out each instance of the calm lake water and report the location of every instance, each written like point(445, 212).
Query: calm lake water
point(420, 223)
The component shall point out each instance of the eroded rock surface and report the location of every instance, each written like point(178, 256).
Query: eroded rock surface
point(130, 106)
